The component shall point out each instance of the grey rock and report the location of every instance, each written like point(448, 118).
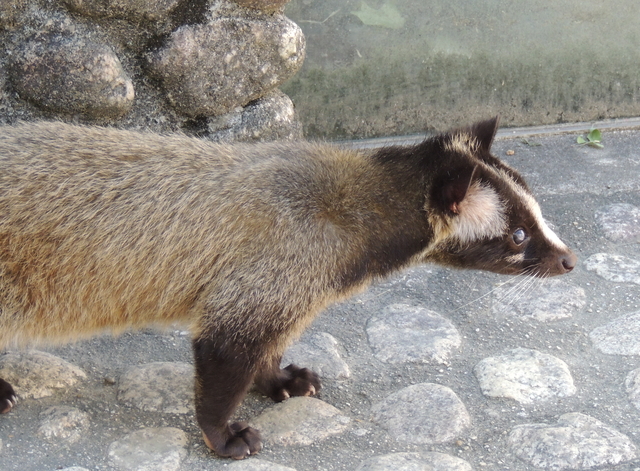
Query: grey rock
point(253, 464)
point(149, 449)
point(38, 374)
point(158, 387)
point(79, 60)
point(269, 6)
point(318, 352)
point(632, 384)
point(414, 280)
point(7, 95)
point(524, 375)
point(620, 336)
point(74, 468)
point(620, 222)
point(10, 12)
point(410, 334)
point(424, 413)
point(208, 70)
point(269, 118)
point(71, 74)
point(555, 299)
point(617, 268)
point(578, 441)
point(63, 423)
point(150, 10)
point(415, 462)
point(300, 421)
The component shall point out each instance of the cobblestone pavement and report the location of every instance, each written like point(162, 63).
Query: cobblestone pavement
point(434, 369)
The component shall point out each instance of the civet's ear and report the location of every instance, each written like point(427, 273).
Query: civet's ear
point(455, 186)
point(485, 132)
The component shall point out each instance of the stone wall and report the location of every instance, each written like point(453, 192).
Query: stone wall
point(207, 67)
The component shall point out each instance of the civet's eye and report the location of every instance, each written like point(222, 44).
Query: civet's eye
point(519, 236)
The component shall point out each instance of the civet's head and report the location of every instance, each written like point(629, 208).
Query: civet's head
point(484, 215)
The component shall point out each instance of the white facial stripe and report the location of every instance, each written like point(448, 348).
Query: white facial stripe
point(533, 206)
point(544, 228)
point(482, 215)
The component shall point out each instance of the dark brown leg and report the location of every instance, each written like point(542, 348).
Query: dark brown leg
point(8, 397)
point(280, 384)
point(224, 372)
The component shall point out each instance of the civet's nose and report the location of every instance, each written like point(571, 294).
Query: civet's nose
point(568, 261)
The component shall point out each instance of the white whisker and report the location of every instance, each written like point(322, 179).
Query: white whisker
point(519, 280)
point(488, 293)
point(534, 283)
point(514, 288)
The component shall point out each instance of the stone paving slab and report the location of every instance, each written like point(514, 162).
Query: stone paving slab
point(433, 369)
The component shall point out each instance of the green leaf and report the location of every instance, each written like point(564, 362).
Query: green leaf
point(581, 140)
point(595, 144)
point(387, 16)
point(594, 135)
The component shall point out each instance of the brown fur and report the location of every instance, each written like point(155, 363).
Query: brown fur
point(106, 230)
point(121, 236)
